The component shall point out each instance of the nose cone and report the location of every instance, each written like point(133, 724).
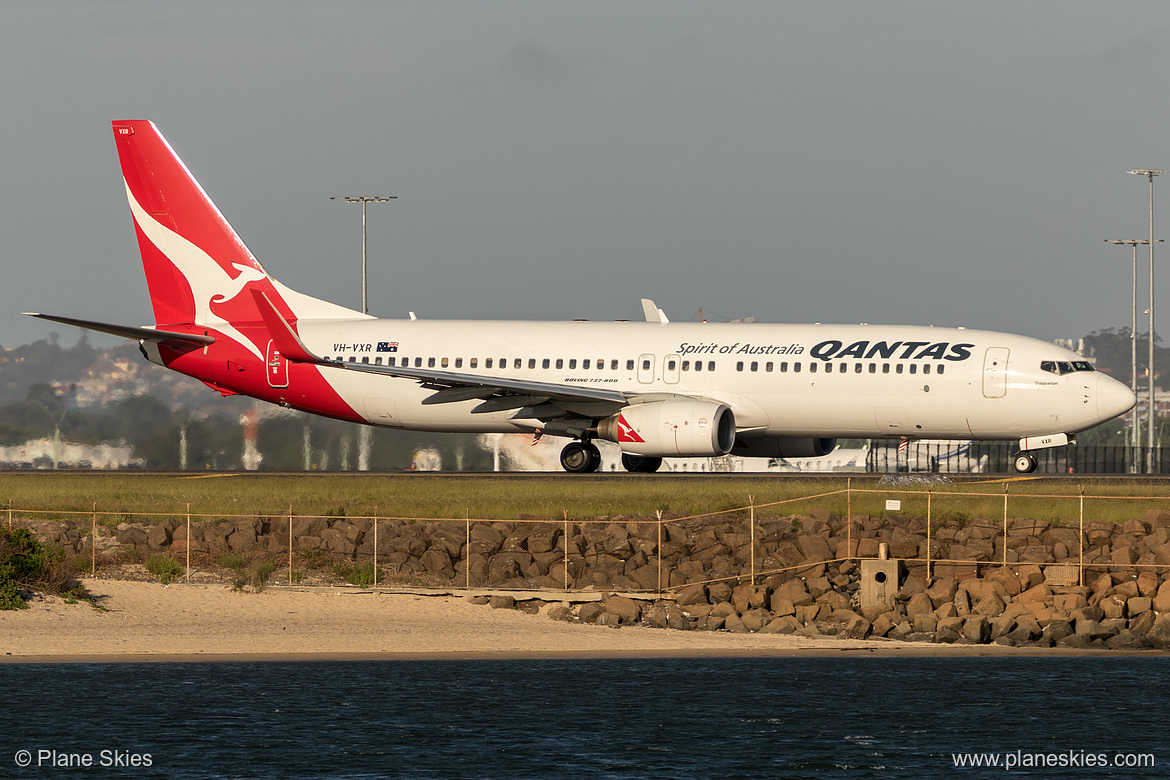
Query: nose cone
point(1113, 398)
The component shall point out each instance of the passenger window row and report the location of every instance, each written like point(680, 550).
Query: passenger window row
point(517, 363)
point(842, 368)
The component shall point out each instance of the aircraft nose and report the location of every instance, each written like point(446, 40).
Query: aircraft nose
point(1113, 398)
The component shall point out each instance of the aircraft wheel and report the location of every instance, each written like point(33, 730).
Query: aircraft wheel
point(1025, 462)
point(640, 464)
point(580, 457)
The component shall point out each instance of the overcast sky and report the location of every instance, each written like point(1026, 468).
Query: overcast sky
point(912, 162)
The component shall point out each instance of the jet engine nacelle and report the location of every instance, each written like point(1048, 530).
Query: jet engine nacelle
point(679, 428)
point(784, 447)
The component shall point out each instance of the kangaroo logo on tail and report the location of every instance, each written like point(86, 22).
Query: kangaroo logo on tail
point(209, 282)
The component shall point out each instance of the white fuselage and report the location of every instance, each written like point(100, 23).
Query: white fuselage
point(780, 380)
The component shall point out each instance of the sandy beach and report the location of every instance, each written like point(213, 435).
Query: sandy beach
point(149, 621)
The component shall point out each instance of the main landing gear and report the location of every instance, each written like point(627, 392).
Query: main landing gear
point(580, 457)
point(1025, 462)
point(640, 464)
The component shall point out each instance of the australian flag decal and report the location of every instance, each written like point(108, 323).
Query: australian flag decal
point(387, 346)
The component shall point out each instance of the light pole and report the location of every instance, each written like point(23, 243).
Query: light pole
point(1134, 435)
point(1152, 411)
point(364, 431)
point(364, 199)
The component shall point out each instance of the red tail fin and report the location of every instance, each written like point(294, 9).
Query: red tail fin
point(195, 263)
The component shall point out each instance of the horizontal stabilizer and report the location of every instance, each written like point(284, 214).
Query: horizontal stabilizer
point(130, 332)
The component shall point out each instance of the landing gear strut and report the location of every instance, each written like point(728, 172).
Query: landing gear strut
point(580, 457)
point(640, 464)
point(1025, 462)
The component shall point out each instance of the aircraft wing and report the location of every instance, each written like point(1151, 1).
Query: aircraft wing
point(451, 386)
point(129, 332)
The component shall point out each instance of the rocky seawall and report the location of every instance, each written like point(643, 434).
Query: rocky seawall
point(1032, 582)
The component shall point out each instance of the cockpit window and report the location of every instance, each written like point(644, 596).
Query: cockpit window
point(1059, 367)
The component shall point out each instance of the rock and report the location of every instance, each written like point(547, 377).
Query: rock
point(1026, 630)
point(559, 612)
point(782, 625)
point(1143, 622)
point(159, 536)
point(901, 631)
point(502, 602)
point(132, 535)
point(1000, 626)
point(590, 612)
point(709, 623)
point(1114, 606)
point(485, 540)
point(913, 584)
point(782, 607)
point(1161, 600)
point(1040, 593)
point(734, 624)
point(718, 592)
point(919, 604)
point(819, 586)
point(676, 619)
point(626, 609)
point(814, 547)
point(977, 629)
point(925, 624)
point(1030, 576)
point(1147, 583)
point(883, 623)
point(723, 609)
point(691, 594)
point(756, 619)
point(437, 561)
point(855, 626)
point(1074, 641)
point(1159, 633)
point(1092, 629)
point(1058, 630)
point(989, 606)
point(1125, 640)
point(793, 590)
point(1067, 602)
point(942, 591)
point(949, 630)
point(478, 600)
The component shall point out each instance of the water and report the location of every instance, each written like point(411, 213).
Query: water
point(644, 718)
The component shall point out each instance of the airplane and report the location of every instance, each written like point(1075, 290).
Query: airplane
point(657, 388)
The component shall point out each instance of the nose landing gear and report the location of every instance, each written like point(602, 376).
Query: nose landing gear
point(1025, 462)
point(580, 457)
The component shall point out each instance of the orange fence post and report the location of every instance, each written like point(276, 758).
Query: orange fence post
point(92, 538)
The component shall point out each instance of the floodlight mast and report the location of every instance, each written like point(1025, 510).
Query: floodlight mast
point(364, 436)
point(1134, 434)
point(364, 199)
point(1150, 173)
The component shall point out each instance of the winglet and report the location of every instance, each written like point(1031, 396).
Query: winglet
point(653, 313)
point(284, 338)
